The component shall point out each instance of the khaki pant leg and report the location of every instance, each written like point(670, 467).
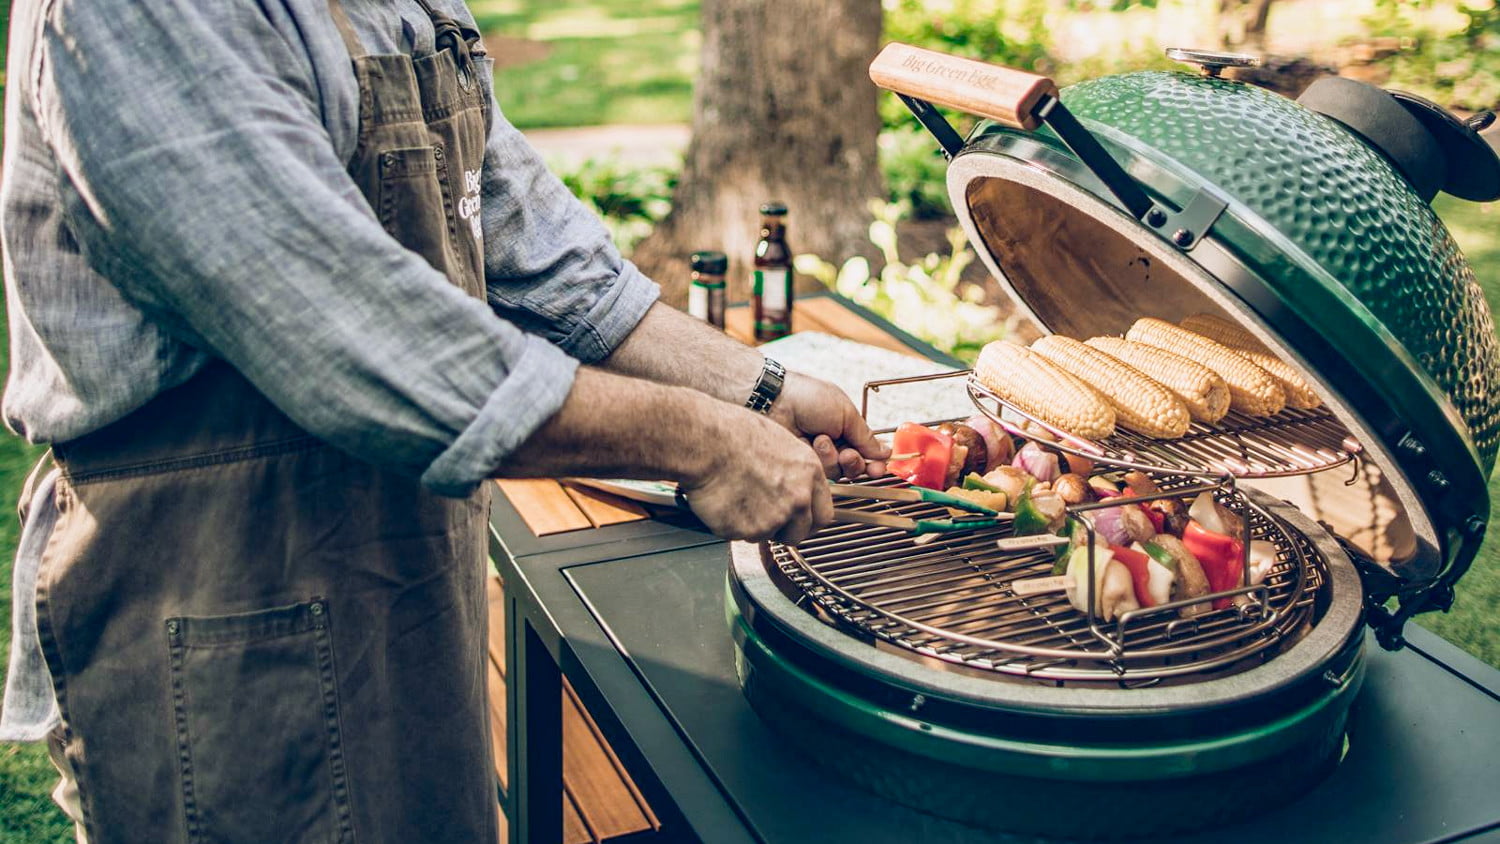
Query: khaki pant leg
point(66, 793)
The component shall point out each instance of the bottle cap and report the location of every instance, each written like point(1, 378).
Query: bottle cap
point(774, 208)
point(712, 263)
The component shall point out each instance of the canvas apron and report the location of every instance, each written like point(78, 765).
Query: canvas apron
point(253, 636)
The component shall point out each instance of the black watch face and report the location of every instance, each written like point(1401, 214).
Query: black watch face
point(772, 377)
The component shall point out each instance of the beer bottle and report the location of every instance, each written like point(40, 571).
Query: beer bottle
point(772, 282)
point(706, 290)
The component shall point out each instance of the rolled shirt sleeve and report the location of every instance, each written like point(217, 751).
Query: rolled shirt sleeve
point(203, 183)
point(550, 265)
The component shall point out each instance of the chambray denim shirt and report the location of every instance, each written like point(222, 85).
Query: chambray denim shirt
point(174, 191)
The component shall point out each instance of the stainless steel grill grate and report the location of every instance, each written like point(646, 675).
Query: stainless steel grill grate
point(1293, 442)
point(950, 599)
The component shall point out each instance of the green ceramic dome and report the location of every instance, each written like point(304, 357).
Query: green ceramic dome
point(1338, 201)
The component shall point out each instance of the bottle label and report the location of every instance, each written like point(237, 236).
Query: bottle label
point(773, 286)
point(698, 301)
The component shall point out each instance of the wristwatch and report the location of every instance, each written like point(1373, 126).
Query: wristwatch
point(768, 387)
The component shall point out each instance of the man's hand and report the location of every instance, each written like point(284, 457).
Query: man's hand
point(821, 412)
point(765, 484)
point(743, 474)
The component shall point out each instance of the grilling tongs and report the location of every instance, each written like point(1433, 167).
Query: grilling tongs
point(975, 516)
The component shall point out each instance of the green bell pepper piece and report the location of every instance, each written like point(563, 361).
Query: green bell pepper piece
point(1159, 554)
point(1073, 530)
point(1029, 520)
point(974, 481)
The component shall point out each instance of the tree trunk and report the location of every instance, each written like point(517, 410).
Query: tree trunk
point(783, 109)
point(1242, 24)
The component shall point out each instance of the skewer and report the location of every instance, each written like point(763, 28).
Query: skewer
point(919, 526)
point(865, 518)
point(930, 496)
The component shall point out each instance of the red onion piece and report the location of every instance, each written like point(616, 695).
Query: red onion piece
point(1110, 527)
point(997, 442)
point(1037, 462)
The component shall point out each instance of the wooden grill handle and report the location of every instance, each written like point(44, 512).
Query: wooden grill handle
point(975, 87)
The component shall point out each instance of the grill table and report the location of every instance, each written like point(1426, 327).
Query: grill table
point(633, 614)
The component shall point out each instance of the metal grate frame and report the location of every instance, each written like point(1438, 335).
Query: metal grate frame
point(950, 599)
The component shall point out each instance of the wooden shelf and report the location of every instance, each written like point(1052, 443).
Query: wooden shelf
point(600, 802)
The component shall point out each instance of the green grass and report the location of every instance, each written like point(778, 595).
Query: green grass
point(592, 63)
point(1474, 622)
point(27, 813)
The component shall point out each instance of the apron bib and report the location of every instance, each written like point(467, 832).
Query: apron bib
point(252, 635)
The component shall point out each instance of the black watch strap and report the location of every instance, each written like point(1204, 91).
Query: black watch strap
point(772, 377)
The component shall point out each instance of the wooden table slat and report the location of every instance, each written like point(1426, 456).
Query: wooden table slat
point(608, 807)
point(497, 720)
point(739, 323)
point(575, 831)
point(804, 319)
point(643, 809)
point(545, 506)
point(495, 592)
point(839, 321)
point(600, 800)
point(603, 509)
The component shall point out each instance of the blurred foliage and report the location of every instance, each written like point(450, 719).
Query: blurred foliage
point(926, 298)
point(1009, 32)
point(1457, 68)
point(915, 170)
point(592, 62)
point(629, 200)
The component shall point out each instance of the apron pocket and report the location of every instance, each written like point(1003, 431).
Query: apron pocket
point(413, 206)
point(256, 711)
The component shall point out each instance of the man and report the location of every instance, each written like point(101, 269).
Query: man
point(284, 290)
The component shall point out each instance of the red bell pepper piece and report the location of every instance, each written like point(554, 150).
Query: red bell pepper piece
point(925, 455)
point(1140, 575)
point(1222, 558)
point(1157, 517)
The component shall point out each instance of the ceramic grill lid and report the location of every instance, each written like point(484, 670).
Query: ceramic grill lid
point(1167, 194)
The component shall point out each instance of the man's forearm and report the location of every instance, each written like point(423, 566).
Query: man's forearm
point(618, 427)
point(670, 347)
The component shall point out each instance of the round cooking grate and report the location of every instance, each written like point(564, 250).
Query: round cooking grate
point(951, 599)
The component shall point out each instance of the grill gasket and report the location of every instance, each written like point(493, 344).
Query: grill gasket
point(1044, 638)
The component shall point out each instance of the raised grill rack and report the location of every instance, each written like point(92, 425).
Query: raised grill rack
point(950, 600)
point(1293, 442)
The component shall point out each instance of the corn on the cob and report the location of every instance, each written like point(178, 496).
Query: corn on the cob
point(1299, 393)
point(1200, 388)
point(1251, 389)
point(1140, 404)
point(1034, 385)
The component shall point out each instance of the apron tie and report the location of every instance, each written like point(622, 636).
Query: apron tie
point(462, 41)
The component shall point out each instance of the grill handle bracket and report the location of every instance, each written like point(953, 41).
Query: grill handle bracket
point(935, 123)
point(1380, 586)
point(1026, 101)
point(1183, 229)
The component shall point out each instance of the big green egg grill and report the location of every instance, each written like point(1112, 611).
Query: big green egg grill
point(913, 668)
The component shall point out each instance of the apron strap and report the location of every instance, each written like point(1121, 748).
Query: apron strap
point(352, 43)
point(448, 28)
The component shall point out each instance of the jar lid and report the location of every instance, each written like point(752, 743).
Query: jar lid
point(713, 263)
point(773, 208)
